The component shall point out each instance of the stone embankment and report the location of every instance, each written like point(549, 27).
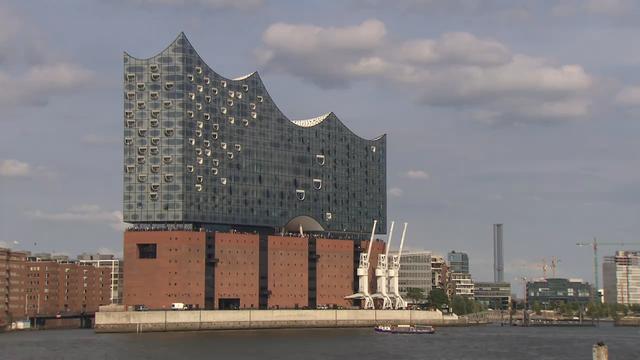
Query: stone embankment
point(146, 321)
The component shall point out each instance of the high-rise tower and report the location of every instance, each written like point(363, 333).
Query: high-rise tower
point(498, 260)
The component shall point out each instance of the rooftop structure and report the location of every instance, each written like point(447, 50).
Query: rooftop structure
point(205, 151)
point(458, 262)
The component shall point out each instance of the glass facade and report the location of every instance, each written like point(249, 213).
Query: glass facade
point(203, 149)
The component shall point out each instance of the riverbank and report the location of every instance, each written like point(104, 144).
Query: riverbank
point(159, 321)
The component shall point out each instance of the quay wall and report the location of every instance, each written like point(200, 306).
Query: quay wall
point(150, 321)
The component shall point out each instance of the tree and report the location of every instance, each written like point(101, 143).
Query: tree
point(437, 298)
point(415, 294)
point(460, 305)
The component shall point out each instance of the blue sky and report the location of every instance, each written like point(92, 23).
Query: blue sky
point(519, 112)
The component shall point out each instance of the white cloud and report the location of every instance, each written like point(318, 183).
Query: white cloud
point(418, 175)
point(395, 192)
point(457, 70)
point(629, 96)
point(213, 4)
point(30, 75)
point(86, 213)
point(15, 168)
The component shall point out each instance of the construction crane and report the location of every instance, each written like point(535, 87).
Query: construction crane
point(594, 245)
point(381, 275)
point(363, 275)
point(394, 270)
point(554, 266)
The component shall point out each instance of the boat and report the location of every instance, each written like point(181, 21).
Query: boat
point(405, 329)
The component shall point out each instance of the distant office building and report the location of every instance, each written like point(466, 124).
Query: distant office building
point(13, 282)
point(458, 262)
point(115, 267)
point(463, 284)
point(498, 255)
point(438, 268)
point(621, 276)
point(415, 272)
point(493, 295)
point(553, 291)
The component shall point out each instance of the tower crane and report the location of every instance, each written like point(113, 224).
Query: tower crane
point(398, 301)
point(363, 275)
point(594, 245)
point(381, 275)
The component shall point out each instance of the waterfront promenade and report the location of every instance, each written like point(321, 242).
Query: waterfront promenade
point(154, 321)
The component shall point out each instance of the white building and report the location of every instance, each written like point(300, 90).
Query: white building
point(621, 276)
point(463, 284)
point(108, 261)
point(415, 272)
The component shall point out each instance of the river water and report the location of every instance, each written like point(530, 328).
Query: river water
point(484, 342)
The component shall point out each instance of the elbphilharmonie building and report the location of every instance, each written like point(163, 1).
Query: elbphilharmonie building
point(205, 151)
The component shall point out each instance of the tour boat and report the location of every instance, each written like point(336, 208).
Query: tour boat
point(405, 329)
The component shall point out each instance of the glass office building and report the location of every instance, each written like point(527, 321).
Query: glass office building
point(202, 150)
point(458, 262)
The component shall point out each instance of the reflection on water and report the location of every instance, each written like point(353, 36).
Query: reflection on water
point(487, 342)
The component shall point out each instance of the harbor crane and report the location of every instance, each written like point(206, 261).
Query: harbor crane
point(399, 302)
point(363, 275)
point(594, 245)
point(381, 275)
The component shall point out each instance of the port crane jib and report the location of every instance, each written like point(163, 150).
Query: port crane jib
point(363, 275)
point(381, 275)
point(393, 272)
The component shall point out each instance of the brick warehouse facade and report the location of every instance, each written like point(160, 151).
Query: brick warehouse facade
point(31, 286)
point(216, 270)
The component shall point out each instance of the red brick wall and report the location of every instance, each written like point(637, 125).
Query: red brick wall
point(176, 275)
point(334, 272)
point(288, 272)
point(236, 270)
point(13, 281)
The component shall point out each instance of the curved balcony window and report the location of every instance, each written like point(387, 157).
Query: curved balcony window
point(328, 216)
point(300, 194)
point(190, 114)
point(142, 178)
point(200, 88)
point(190, 77)
point(190, 168)
point(223, 181)
point(129, 168)
point(199, 179)
point(207, 116)
point(130, 123)
point(154, 67)
point(154, 122)
point(140, 86)
point(254, 115)
point(238, 147)
point(214, 91)
point(140, 160)
point(167, 159)
point(168, 178)
point(260, 98)
point(206, 143)
point(131, 76)
point(320, 159)
point(153, 196)
point(169, 132)
point(252, 106)
point(154, 95)
point(198, 70)
point(239, 95)
point(229, 154)
point(223, 83)
point(155, 77)
point(169, 85)
point(199, 133)
point(245, 122)
point(373, 149)
point(128, 114)
point(131, 95)
point(154, 187)
point(207, 152)
point(245, 88)
point(223, 145)
point(198, 187)
point(207, 98)
point(192, 96)
point(192, 141)
point(232, 120)
point(155, 114)
point(141, 105)
point(198, 106)
point(198, 151)
point(128, 141)
point(317, 184)
point(214, 171)
point(207, 80)
point(142, 132)
point(155, 141)
point(199, 160)
point(215, 162)
point(153, 150)
point(229, 102)
point(215, 127)
point(214, 136)
point(199, 124)
point(155, 169)
point(232, 93)
point(142, 150)
point(167, 103)
point(223, 110)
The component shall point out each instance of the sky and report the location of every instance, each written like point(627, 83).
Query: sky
point(525, 113)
